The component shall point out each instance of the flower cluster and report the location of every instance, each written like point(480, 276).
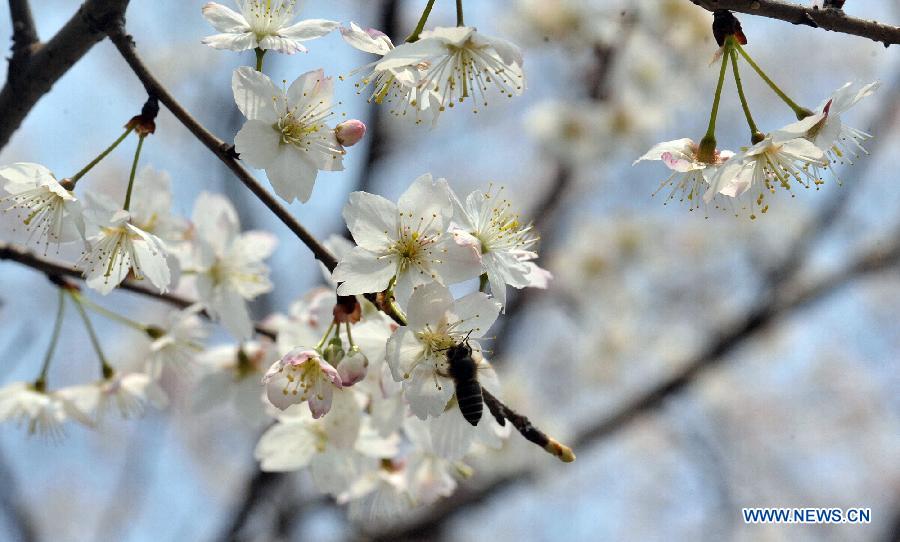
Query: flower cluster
point(796, 154)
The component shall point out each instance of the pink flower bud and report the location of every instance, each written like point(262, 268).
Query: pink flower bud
point(350, 132)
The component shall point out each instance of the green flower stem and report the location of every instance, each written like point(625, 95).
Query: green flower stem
point(350, 336)
point(460, 21)
point(422, 20)
point(40, 383)
point(260, 53)
point(396, 311)
point(137, 155)
point(110, 314)
point(325, 336)
point(707, 149)
point(95, 342)
point(740, 88)
point(800, 111)
point(100, 157)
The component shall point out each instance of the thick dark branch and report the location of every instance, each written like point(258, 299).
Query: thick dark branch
point(826, 19)
point(36, 74)
point(781, 304)
point(24, 32)
point(53, 270)
point(223, 151)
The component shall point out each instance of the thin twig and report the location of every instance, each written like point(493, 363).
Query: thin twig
point(54, 270)
point(223, 151)
point(47, 63)
point(826, 19)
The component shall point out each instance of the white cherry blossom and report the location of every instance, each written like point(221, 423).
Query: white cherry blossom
point(417, 353)
point(230, 374)
point(42, 413)
point(178, 342)
point(396, 86)
point(130, 393)
point(302, 375)
point(262, 24)
point(457, 63)
point(690, 176)
point(486, 224)
point(405, 242)
point(229, 264)
point(47, 209)
point(118, 247)
point(286, 132)
point(777, 160)
point(826, 130)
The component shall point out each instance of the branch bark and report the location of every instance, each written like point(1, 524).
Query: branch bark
point(222, 150)
point(33, 74)
point(831, 19)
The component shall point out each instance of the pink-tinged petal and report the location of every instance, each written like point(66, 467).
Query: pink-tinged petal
point(331, 374)
point(353, 368)
point(224, 19)
point(231, 41)
point(311, 88)
point(368, 40)
point(320, 403)
point(255, 94)
point(679, 162)
point(308, 29)
point(682, 147)
point(363, 272)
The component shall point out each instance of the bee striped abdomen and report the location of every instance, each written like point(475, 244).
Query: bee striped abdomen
point(468, 395)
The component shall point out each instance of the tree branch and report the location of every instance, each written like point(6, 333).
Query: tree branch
point(223, 151)
point(826, 19)
point(31, 77)
point(56, 270)
point(24, 32)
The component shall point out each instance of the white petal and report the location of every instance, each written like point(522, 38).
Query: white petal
point(363, 272)
point(371, 219)
point(403, 351)
point(255, 94)
point(476, 312)
point(427, 197)
point(369, 40)
point(308, 29)
point(224, 19)
point(427, 395)
point(258, 144)
point(457, 262)
point(232, 42)
point(285, 447)
point(287, 46)
point(312, 87)
point(428, 306)
point(232, 310)
point(291, 174)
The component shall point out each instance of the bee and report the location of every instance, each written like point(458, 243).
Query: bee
point(463, 369)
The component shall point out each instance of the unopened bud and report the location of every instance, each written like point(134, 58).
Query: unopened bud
point(350, 132)
point(353, 367)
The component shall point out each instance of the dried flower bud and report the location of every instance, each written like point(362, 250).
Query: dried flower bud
point(350, 132)
point(145, 123)
point(726, 24)
point(347, 310)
